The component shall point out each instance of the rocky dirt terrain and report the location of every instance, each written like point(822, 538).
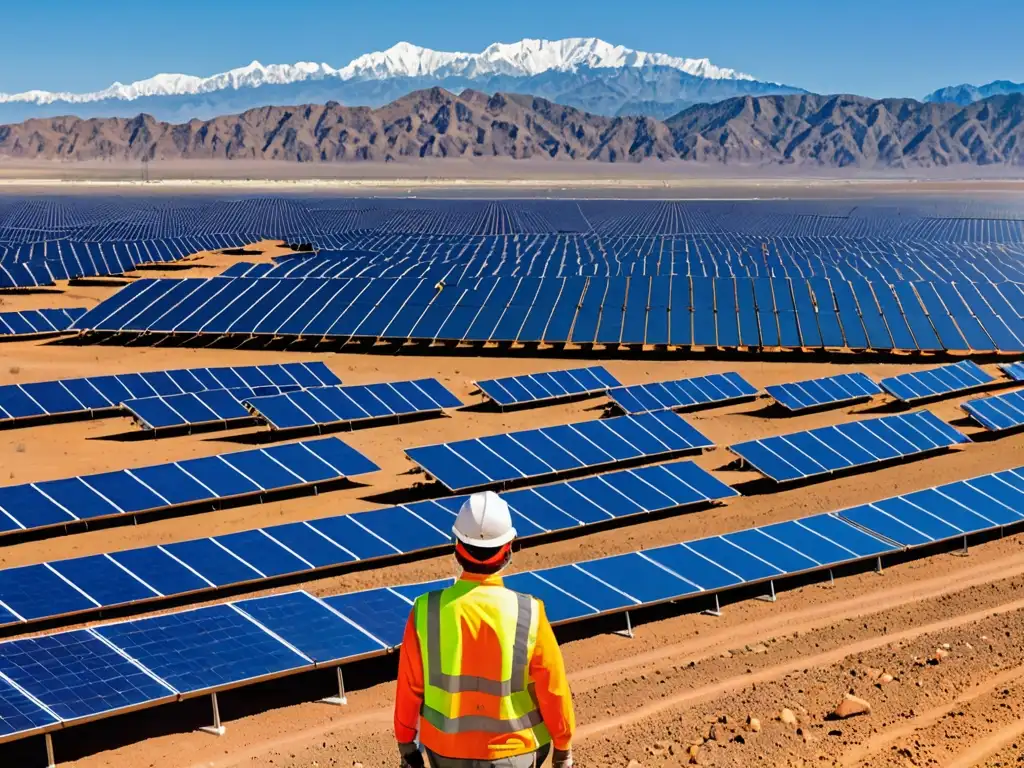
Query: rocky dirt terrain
point(795, 130)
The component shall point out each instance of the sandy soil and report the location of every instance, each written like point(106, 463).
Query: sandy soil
point(646, 699)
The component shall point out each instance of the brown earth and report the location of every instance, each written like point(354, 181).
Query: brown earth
point(805, 130)
point(645, 699)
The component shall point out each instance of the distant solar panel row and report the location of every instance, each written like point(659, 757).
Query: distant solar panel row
point(69, 396)
point(36, 321)
point(537, 453)
point(936, 382)
point(67, 587)
point(855, 444)
point(998, 413)
point(717, 388)
point(197, 409)
point(535, 388)
point(86, 674)
point(679, 311)
point(831, 390)
point(321, 406)
point(136, 491)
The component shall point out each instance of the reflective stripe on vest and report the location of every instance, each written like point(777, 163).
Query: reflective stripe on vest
point(514, 699)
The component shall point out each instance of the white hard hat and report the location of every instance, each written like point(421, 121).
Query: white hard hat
point(484, 521)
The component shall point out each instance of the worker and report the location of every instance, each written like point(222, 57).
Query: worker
point(480, 675)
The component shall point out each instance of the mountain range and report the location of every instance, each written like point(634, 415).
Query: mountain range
point(586, 73)
point(801, 130)
point(968, 94)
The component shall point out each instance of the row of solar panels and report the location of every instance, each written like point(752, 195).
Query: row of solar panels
point(68, 587)
point(31, 322)
point(750, 313)
point(998, 413)
point(37, 264)
point(242, 474)
point(58, 680)
point(66, 397)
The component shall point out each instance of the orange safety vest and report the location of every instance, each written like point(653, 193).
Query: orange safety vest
point(476, 641)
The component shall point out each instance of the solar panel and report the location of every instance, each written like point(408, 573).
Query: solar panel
point(19, 714)
point(1014, 370)
point(107, 393)
point(999, 412)
point(321, 406)
point(537, 453)
point(843, 389)
point(66, 587)
point(825, 450)
point(936, 382)
point(198, 409)
point(37, 321)
point(536, 388)
point(717, 389)
point(149, 489)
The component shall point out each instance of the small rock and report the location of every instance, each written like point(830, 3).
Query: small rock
point(885, 678)
point(920, 684)
point(945, 646)
point(713, 733)
point(635, 764)
point(969, 646)
point(871, 673)
point(754, 723)
point(850, 706)
point(738, 738)
point(694, 753)
point(835, 732)
point(725, 720)
point(711, 719)
point(787, 717)
point(940, 654)
point(984, 638)
point(759, 648)
point(805, 735)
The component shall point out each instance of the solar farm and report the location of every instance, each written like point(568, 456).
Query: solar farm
point(759, 454)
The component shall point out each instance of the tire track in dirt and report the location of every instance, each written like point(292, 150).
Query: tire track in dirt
point(978, 753)
point(883, 739)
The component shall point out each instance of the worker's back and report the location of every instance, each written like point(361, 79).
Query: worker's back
point(477, 639)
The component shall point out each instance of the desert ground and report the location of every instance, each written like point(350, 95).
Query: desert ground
point(934, 643)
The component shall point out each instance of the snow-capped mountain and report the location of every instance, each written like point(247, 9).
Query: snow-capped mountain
point(552, 68)
point(968, 94)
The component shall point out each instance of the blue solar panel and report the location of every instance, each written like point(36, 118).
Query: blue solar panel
point(293, 548)
point(38, 321)
point(149, 489)
point(19, 715)
point(204, 649)
point(936, 382)
point(544, 387)
point(999, 412)
point(829, 449)
point(192, 409)
point(77, 676)
point(832, 390)
point(714, 389)
point(380, 612)
point(334, 405)
point(1014, 371)
point(310, 626)
point(536, 453)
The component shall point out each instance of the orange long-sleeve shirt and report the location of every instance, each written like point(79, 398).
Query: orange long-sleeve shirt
point(547, 673)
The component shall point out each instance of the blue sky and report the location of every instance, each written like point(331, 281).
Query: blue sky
point(871, 47)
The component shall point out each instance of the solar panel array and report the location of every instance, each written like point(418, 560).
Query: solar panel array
point(936, 382)
point(130, 492)
point(322, 406)
point(537, 388)
point(1014, 370)
point(843, 389)
point(38, 321)
point(742, 313)
point(99, 393)
point(67, 587)
point(825, 450)
point(537, 453)
point(999, 412)
point(198, 409)
point(716, 388)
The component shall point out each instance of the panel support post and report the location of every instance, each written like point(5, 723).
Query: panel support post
point(341, 699)
point(716, 611)
point(831, 578)
point(50, 762)
point(878, 564)
point(628, 631)
point(770, 597)
point(216, 729)
point(962, 552)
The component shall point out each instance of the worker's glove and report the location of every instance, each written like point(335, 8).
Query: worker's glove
point(411, 755)
point(561, 758)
